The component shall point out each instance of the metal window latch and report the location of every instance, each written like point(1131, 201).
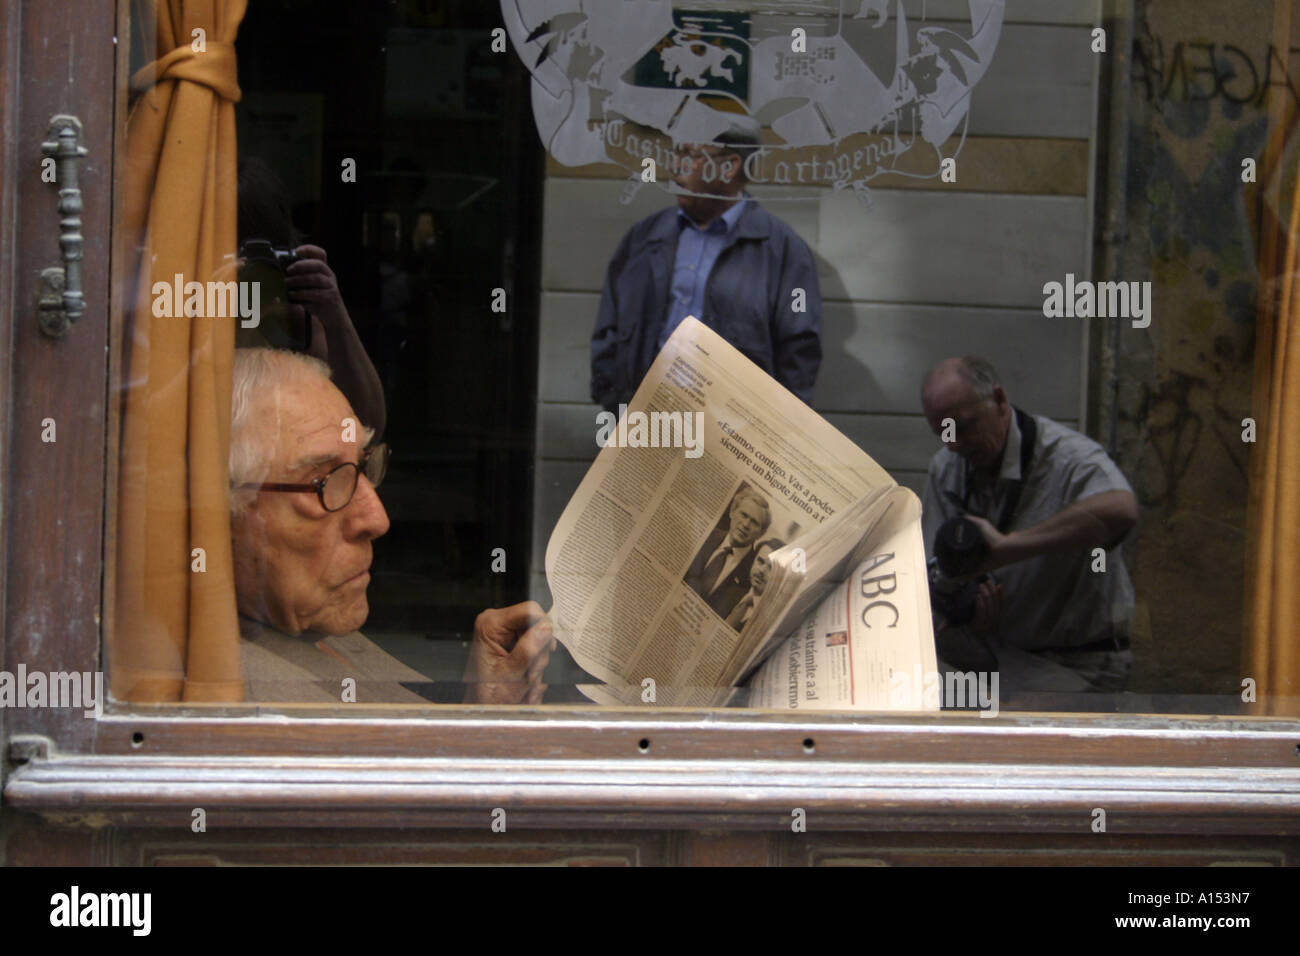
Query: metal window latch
point(61, 302)
point(24, 748)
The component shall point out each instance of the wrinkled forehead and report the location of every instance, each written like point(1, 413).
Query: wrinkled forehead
point(305, 418)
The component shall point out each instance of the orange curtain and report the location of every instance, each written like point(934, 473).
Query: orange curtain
point(177, 634)
point(1272, 644)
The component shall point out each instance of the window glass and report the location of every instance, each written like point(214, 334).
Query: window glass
point(968, 420)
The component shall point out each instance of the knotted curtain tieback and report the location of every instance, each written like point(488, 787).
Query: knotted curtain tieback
point(216, 68)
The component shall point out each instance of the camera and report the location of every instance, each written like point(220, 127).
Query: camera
point(261, 252)
point(959, 549)
point(282, 325)
point(952, 598)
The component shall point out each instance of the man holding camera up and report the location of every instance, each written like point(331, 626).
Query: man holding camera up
point(1022, 519)
point(302, 308)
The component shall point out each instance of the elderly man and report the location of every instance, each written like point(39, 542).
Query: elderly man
point(720, 571)
point(305, 512)
point(717, 256)
point(1056, 614)
point(744, 608)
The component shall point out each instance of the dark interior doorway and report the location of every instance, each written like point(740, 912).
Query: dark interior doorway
point(445, 209)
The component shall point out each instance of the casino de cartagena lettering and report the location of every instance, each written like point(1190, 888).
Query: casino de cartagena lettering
point(622, 81)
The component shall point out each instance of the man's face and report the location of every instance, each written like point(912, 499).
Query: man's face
point(706, 181)
point(298, 566)
point(762, 567)
point(748, 520)
point(981, 424)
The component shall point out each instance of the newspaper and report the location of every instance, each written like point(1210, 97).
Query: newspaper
point(718, 516)
point(869, 645)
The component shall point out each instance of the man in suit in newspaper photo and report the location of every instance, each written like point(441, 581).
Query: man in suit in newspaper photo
point(720, 571)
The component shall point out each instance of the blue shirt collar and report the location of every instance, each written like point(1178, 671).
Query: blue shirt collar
point(728, 218)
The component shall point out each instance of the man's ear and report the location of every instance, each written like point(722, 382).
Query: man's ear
point(1000, 397)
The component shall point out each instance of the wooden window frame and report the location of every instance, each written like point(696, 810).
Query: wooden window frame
point(551, 767)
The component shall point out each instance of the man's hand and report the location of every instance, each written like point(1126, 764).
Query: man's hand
point(988, 605)
point(995, 539)
point(509, 653)
point(1097, 521)
point(312, 283)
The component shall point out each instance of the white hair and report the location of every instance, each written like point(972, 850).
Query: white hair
point(258, 375)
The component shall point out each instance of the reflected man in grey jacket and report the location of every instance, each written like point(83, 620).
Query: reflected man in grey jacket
point(720, 257)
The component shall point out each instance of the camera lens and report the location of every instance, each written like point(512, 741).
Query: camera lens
point(960, 547)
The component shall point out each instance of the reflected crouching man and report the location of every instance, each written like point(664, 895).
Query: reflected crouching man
point(744, 608)
point(305, 513)
point(720, 571)
point(1037, 499)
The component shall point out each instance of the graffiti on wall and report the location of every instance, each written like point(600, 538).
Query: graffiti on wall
point(1184, 71)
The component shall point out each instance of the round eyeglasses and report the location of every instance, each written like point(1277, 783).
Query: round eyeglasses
point(335, 490)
